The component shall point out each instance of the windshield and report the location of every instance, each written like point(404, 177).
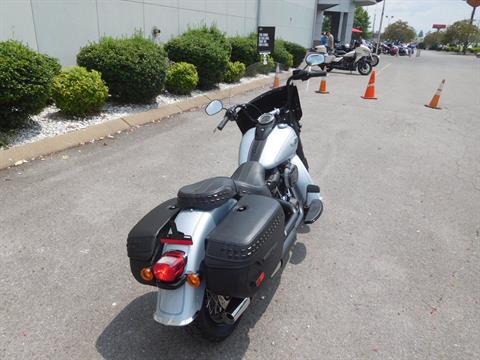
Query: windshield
point(266, 102)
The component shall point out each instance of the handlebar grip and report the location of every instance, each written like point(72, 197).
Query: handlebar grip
point(222, 123)
point(318, 73)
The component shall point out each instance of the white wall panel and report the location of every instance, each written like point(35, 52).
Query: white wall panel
point(217, 6)
point(219, 20)
point(164, 18)
point(168, 3)
point(119, 18)
point(16, 22)
point(236, 7)
point(189, 18)
point(251, 9)
point(235, 25)
point(198, 5)
point(64, 26)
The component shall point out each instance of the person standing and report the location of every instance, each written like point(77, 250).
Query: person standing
point(330, 41)
point(323, 39)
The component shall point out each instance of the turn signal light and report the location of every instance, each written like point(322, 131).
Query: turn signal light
point(170, 266)
point(193, 280)
point(146, 274)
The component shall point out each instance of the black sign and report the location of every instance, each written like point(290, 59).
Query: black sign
point(265, 39)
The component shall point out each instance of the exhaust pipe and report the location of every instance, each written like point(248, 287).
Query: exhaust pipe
point(235, 309)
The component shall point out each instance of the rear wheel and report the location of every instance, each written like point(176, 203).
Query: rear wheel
point(210, 321)
point(364, 67)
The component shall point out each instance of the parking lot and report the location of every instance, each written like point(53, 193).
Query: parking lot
point(390, 271)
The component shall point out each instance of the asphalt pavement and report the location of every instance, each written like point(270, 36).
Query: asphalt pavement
point(390, 271)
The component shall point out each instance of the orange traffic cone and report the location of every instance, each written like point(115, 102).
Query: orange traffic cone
point(323, 87)
point(276, 79)
point(436, 98)
point(370, 91)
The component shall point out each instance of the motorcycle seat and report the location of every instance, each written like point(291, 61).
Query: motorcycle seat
point(211, 193)
point(250, 179)
point(207, 194)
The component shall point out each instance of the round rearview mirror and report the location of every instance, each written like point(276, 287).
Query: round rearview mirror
point(314, 59)
point(214, 107)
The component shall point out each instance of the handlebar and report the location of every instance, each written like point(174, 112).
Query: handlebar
point(223, 123)
point(299, 74)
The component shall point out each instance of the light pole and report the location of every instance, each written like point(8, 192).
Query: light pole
point(374, 18)
point(389, 18)
point(473, 4)
point(380, 29)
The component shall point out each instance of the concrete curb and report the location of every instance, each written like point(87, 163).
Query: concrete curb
point(61, 142)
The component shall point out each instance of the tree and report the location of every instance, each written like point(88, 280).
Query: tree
point(361, 20)
point(433, 39)
point(461, 32)
point(420, 34)
point(327, 24)
point(399, 31)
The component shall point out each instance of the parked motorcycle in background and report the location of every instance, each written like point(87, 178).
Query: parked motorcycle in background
point(213, 246)
point(358, 59)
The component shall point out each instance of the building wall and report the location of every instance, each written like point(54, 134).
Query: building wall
point(293, 19)
point(59, 28)
point(342, 12)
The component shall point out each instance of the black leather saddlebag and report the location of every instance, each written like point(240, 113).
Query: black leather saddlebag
point(245, 249)
point(143, 241)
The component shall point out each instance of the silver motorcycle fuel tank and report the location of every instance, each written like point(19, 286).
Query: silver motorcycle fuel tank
point(280, 146)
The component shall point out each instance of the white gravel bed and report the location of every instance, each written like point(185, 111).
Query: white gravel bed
point(51, 121)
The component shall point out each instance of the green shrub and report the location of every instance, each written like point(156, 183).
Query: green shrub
point(281, 55)
point(206, 48)
point(25, 79)
point(182, 78)
point(77, 91)
point(235, 71)
point(474, 50)
point(133, 68)
point(244, 49)
point(260, 68)
point(3, 140)
point(297, 51)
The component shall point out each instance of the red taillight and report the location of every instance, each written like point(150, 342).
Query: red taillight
point(170, 266)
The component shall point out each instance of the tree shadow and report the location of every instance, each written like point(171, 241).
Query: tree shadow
point(133, 334)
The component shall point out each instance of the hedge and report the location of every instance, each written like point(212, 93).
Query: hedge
point(134, 68)
point(244, 49)
point(79, 92)
point(235, 71)
point(25, 80)
point(297, 51)
point(281, 55)
point(182, 78)
point(206, 48)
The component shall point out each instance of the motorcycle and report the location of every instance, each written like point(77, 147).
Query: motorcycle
point(213, 246)
point(358, 59)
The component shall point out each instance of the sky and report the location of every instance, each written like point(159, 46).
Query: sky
point(422, 14)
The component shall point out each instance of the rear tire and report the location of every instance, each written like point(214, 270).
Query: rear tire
point(209, 322)
point(364, 67)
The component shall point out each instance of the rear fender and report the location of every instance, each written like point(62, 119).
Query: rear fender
point(179, 307)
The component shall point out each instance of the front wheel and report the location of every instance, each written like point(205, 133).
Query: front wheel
point(210, 321)
point(375, 59)
point(364, 67)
